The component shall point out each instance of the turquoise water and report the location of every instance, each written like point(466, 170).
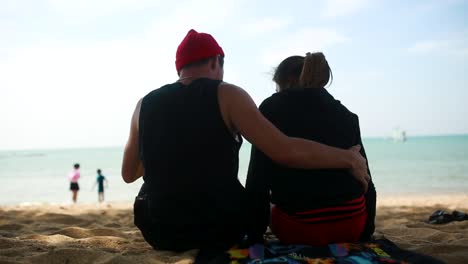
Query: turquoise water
point(424, 165)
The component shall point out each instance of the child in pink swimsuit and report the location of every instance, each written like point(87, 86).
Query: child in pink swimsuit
point(73, 177)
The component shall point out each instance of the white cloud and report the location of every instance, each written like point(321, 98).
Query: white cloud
point(201, 13)
point(169, 30)
point(299, 43)
point(338, 8)
point(88, 9)
point(266, 25)
point(430, 6)
point(427, 46)
point(60, 93)
point(457, 47)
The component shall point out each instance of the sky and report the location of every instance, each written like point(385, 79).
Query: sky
point(71, 72)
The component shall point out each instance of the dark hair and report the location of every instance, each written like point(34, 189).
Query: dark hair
point(99, 171)
point(311, 71)
point(76, 165)
point(205, 61)
point(288, 71)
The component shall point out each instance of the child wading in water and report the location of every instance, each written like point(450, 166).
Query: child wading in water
point(100, 182)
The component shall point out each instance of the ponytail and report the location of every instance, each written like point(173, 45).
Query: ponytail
point(315, 72)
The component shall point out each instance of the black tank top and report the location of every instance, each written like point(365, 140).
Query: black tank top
point(189, 155)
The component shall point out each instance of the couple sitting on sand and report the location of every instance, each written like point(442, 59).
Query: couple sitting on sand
point(307, 158)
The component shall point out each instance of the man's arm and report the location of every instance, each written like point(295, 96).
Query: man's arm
point(240, 110)
point(132, 167)
point(258, 194)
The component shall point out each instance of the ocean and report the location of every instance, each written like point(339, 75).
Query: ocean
point(421, 165)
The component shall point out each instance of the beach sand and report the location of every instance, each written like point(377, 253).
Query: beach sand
point(104, 233)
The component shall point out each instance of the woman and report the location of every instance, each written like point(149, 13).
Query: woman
point(314, 207)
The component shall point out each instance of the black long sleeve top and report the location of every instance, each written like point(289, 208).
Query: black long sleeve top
point(312, 114)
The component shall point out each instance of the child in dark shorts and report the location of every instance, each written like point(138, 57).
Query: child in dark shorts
point(74, 176)
point(100, 182)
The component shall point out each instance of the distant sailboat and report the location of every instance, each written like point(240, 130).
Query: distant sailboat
point(399, 135)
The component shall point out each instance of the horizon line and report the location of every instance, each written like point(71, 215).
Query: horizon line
point(123, 146)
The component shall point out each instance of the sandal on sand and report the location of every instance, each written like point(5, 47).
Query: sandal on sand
point(459, 216)
point(442, 217)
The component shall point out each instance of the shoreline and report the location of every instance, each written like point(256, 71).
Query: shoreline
point(450, 200)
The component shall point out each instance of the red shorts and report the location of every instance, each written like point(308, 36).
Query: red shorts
point(322, 226)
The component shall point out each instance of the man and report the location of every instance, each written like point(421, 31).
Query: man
point(184, 140)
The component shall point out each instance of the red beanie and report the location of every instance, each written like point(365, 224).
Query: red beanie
point(196, 46)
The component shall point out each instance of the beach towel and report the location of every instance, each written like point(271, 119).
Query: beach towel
point(376, 251)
